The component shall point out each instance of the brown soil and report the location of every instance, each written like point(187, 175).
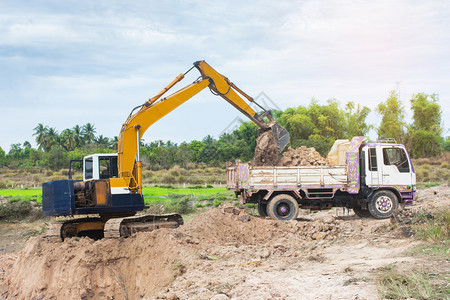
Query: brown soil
point(267, 154)
point(217, 255)
point(302, 156)
point(266, 150)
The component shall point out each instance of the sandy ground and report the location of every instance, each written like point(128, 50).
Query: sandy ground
point(216, 255)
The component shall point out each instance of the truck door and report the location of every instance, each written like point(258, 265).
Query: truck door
point(396, 169)
point(372, 170)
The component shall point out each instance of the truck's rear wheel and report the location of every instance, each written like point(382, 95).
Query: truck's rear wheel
point(362, 213)
point(283, 207)
point(262, 209)
point(383, 204)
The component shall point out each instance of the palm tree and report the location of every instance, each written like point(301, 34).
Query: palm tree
point(114, 143)
point(51, 138)
point(89, 132)
point(40, 131)
point(103, 141)
point(67, 140)
point(78, 135)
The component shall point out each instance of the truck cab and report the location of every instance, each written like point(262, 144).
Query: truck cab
point(386, 165)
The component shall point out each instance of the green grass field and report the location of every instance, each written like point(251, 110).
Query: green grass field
point(151, 194)
point(158, 194)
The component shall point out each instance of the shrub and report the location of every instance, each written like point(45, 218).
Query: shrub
point(64, 172)
point(15, 210)
point(408, 285)
point(167, 178)
point(146, 174)
point(175, 172)
point(179, 205)
point(433, 227)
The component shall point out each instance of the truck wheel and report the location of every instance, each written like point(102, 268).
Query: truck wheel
point(283, 207)
point(362, 213)
point(262, 209)
point(383, 204)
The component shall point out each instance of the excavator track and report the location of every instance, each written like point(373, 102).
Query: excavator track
point(115, 227)
point(125, 227)
point(90, 227)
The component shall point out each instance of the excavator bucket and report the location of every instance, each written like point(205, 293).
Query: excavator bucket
point(281, 135)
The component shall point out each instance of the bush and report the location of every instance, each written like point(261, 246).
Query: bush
point(179, 206)
point(15, 210)
point(167, 178)
point(408, 285)
point(146, 174)
point(433, 227)
point(424, 143)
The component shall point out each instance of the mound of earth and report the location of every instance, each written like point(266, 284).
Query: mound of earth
point(146, 263)
point(266, 150)
point(302, 156)
point(216, 255)
point(267, 154)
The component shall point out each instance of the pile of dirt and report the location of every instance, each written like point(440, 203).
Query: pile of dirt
point(83, 268)
point(266, 150)
point(302, 156)
point(146, 263)
point(267, 154)
point(216, 255)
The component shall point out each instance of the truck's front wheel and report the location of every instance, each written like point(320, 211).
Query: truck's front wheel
point(283, 207)
point(383, 204)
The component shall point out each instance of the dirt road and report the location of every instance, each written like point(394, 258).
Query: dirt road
point(325, 255)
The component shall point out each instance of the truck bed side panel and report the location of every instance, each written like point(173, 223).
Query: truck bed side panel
point(295, 177)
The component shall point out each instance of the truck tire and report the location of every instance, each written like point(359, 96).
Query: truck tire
point(383, 204)
point(362, 213)
point(282, 207)
point(262, 209)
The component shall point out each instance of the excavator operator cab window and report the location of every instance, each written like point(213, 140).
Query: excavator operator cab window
point(107, 167)
point(88, 169)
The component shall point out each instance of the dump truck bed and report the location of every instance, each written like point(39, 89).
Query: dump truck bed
point(242, 176)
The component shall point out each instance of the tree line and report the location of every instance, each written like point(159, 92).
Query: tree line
point(314, 125)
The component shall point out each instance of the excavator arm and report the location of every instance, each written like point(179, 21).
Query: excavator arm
point(151, 111)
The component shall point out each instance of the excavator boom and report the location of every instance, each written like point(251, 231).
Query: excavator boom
point(156, 108)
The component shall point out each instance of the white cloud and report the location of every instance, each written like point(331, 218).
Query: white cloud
point(57, 59)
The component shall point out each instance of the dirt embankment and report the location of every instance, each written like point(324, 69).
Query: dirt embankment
point(326, 255)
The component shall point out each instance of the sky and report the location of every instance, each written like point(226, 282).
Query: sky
point(64, 63)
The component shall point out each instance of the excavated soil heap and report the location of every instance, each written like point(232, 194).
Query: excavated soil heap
point(266, 150)
point(144, 264)
point(302, 156)
point(267, 154)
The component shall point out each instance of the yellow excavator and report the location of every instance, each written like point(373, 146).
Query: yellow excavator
point(112, 183)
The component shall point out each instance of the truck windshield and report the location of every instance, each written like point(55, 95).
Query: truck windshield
point(396, 157)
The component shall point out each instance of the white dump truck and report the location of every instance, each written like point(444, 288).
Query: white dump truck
point(372, 178)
